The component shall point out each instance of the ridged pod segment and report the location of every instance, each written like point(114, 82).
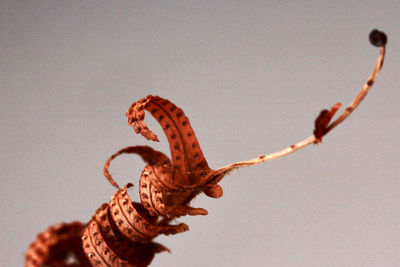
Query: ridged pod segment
point(59, 245)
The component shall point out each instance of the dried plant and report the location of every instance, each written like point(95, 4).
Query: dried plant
point(121, 232)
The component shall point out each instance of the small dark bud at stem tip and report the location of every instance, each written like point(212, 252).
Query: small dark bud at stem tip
point(377, 38)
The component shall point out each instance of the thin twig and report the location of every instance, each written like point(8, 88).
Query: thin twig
point(312, 139)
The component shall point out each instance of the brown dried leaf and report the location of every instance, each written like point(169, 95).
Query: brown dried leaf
point(323, 120)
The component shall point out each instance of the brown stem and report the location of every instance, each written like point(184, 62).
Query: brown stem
point(215, 177)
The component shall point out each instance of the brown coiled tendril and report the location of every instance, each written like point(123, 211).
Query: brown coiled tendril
point(122, 232)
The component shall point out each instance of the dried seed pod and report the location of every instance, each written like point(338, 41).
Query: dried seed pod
point(121, 232)
point(97, 250)
point(59, 245)
point(132, 221)
point(187, 157)
point(148, 155)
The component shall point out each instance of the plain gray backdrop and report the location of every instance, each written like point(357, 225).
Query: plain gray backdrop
point(251, 76)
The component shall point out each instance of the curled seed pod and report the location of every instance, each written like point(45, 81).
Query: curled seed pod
point(121, 232)
point(97, 250)
point(131, 219)
point(148, 155)
point(158, 199)
point(187, 157)
point(189, 175)
point(110, 233)
point(59, 245)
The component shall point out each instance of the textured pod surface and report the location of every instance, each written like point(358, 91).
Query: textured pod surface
point(121, 232)
point(97, 250)
point(187, 157)
point(59, 245)
point(132, 219)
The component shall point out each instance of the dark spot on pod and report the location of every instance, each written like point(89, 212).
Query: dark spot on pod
point(39, 252)
point(164, 103)
point(179, 114)
point(377, 38)
point(161, 117)
point(172, 109)
point(178, 157)
point(132, 120)
point(189, 134)
point(261, 157)
point(370, 82)
point(154, 110)
point(196, 155)
point(167, 126)
point(184, 123)
point(173, 136)
point(193, 145)
point(113, 258)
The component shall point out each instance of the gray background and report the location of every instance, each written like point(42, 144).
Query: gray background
point(251, 76)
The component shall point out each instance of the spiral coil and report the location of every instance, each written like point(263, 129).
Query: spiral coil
point(121, 232)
